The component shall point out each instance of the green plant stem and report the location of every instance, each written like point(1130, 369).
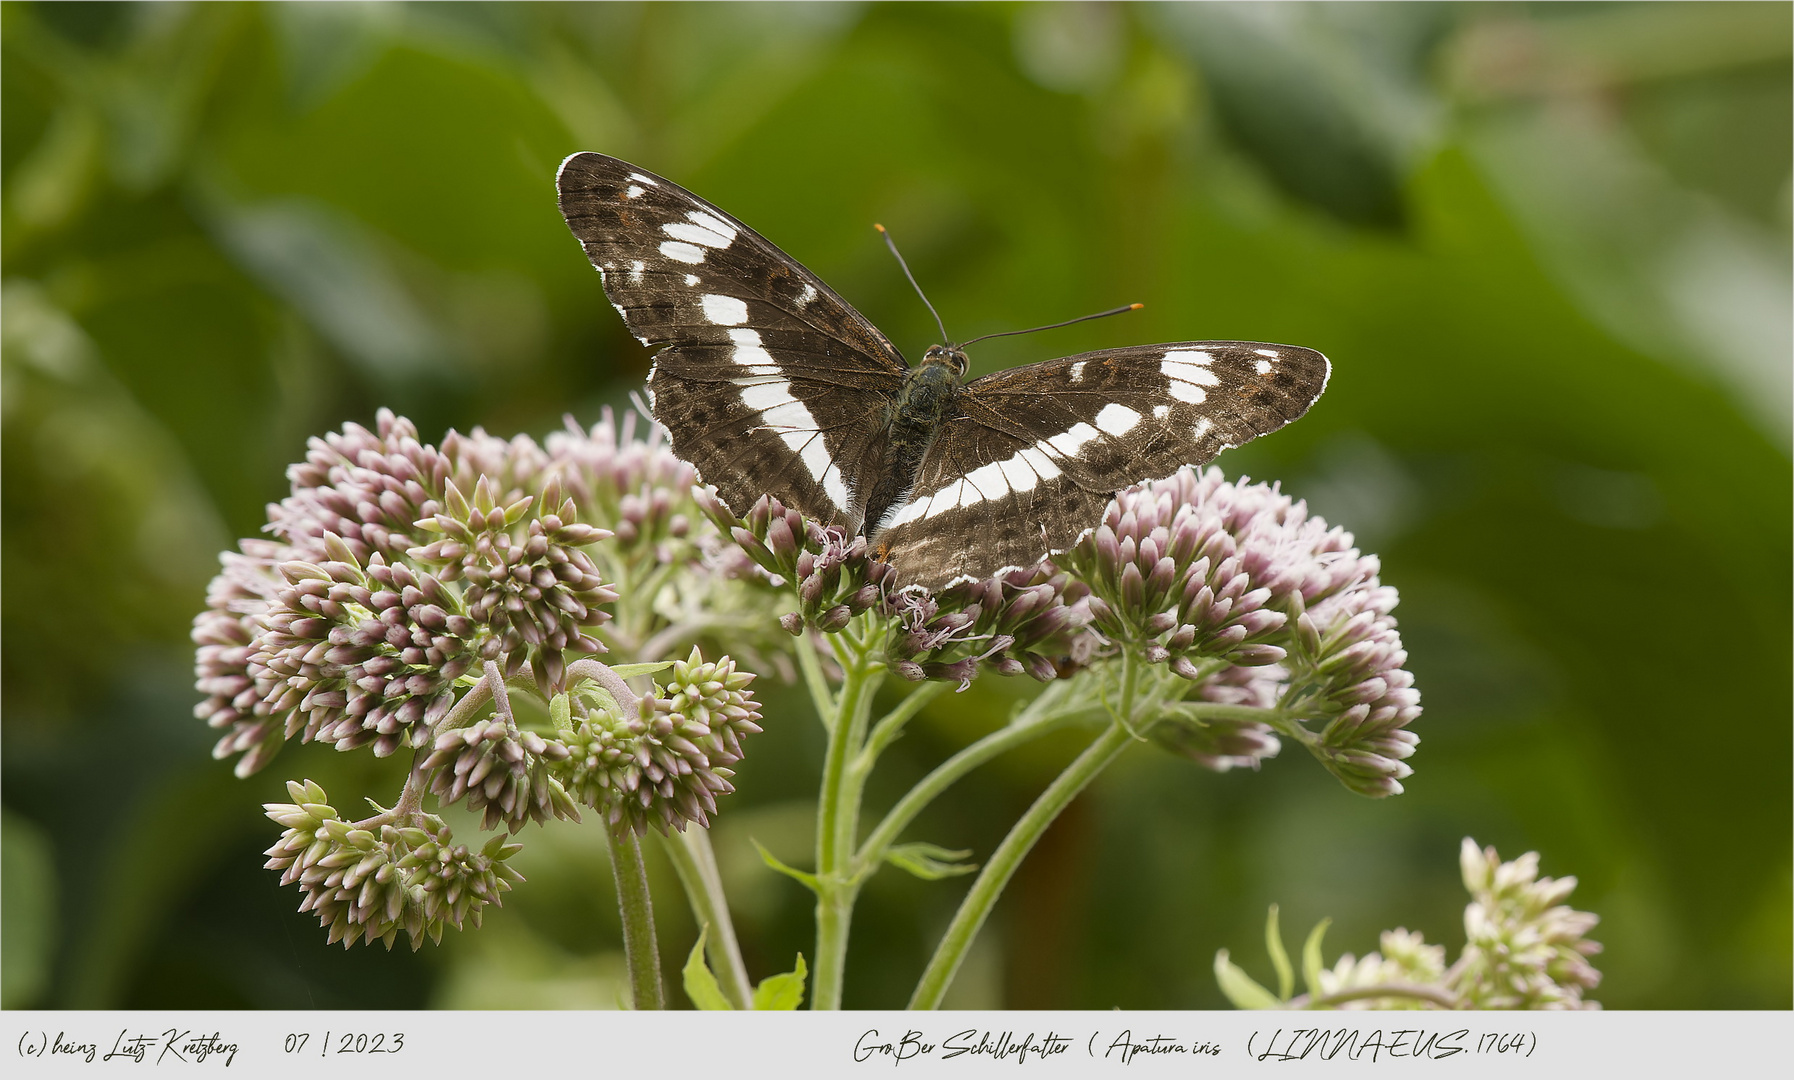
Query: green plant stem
point(891, 724)
point(640, 950)
point(1209, 710)
point(815, 681)
point(976, 907)
point(1040, 718)
point(837, 811)
point(695, 862)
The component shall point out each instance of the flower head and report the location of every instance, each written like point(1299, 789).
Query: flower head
point(661, 759)
point(1020, 621)
point(503, 772)
point(1526, 949)
point(397, 567)
point(366, 882)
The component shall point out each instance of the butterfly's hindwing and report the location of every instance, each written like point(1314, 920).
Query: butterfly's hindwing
point(772, 383)
point(1038, 450)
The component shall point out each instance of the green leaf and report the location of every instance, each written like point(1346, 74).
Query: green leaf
point(782, 992)
point(808, 881)
point(930, 862)
point(560, 712)
point(700, 985)
point(1240, 987)
point(1286, 976)
point(630, 671)
point(1311, 957)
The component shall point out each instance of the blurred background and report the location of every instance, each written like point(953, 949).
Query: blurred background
point(1546, 247)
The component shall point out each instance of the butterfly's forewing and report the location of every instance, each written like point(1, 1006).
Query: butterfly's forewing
point(1038, 450)
point(770, 382)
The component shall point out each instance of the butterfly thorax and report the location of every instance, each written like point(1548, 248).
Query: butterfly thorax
point(915, 417)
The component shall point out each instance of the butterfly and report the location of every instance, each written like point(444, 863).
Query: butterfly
point(769, 383)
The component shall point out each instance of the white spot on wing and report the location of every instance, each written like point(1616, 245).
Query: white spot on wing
point(988, 479)
point(782, 412)
point(1070, 442)
point(1202, 428)
point(696, 234)
point(1183, 391)
point(835, 487)
point(792, 421)
point(1190, 373)
point(1189, 356)
point(1117, 419)
point(912, 511)
point(767, 396)
point(717, 225)
point(633, 190)
point(750, 354)
point(1272, 353)
point(1159, 412)
point(1039, 462)
point(691, 279)
point(1264, 367)
point(1077, 371)
point(815, 455)
point(648, 180)
point(1018, 474)
point(946, 499)
point(809, 294)
point(724, 310)
point(680, 251)
point(635, 271)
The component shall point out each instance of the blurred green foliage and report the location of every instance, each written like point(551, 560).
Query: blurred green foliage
point(1547, 248)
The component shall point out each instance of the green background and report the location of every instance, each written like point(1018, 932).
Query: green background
point(1546, 248)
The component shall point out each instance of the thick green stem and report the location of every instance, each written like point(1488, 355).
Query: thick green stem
point(695, 862)
point(837, 811)
point(640, 951)
point(890, 725)
point(815, 681)
point(1040, 718)
point(976, 907)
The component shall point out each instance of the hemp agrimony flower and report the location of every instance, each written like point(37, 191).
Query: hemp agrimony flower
point(349, 632)
point(1237, 589)
point(410, 592)
point(660, 759)
point(1020, 621)
point(1525, 949)
point(368, 881)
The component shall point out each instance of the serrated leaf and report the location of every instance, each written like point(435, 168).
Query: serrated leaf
point(700, 985)
point(630, 671)
point(782, 993)
point(930, 862)
point(1240, 987)
point(1311, 957)
point(1286, 976)
point(808, 881)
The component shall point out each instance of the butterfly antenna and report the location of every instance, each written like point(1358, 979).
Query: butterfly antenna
point(1057, 325)
point(892, 244)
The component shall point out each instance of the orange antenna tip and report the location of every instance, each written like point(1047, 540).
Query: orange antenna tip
point(1135, 307)
point(877, 226)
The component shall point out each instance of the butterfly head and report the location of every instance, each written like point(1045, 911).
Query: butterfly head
point(951, 356)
